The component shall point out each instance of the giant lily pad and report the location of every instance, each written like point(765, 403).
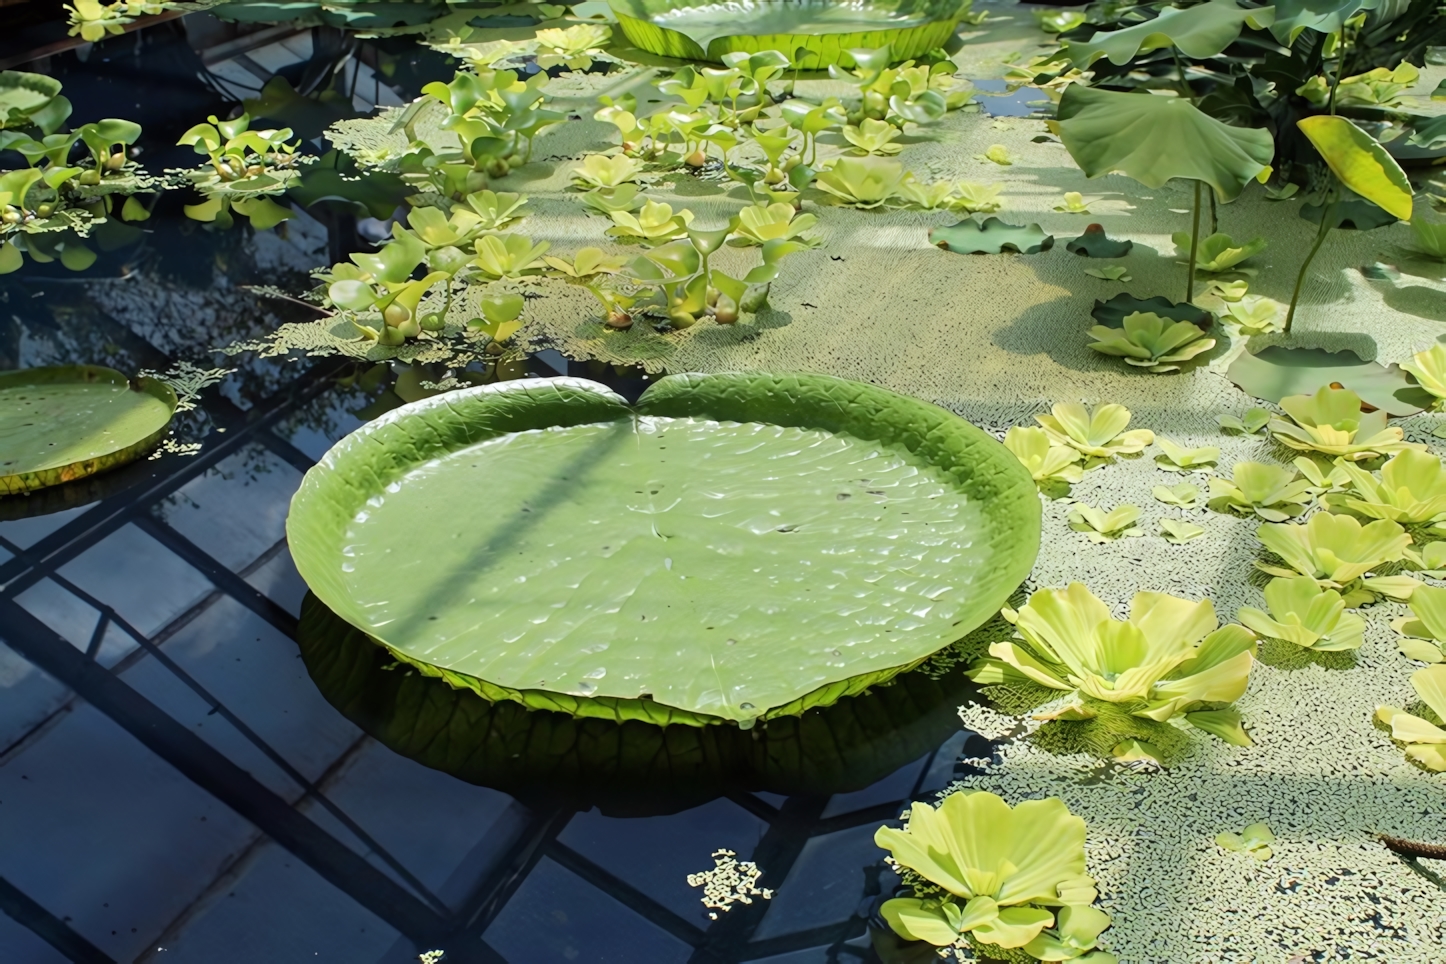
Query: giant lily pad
point(1278, 371)
point(628, 768)
point(991, 237)
point(819, 32)
point(67, 422)
point(734, 547)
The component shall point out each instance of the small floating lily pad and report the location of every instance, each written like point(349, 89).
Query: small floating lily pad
point(732, 547)
point(1279, 371)
point(1094, 243)
point(66, 422)
point(1112, 313)
point(991, 237)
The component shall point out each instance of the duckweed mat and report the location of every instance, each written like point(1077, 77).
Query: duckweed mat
point(997, 339)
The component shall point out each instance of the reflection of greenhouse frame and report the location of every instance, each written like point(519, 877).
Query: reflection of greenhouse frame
point(820, 31)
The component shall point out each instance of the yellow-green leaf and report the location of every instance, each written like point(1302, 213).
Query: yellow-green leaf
point(1360, 162)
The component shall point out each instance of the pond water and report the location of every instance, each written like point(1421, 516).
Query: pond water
point(174, 786)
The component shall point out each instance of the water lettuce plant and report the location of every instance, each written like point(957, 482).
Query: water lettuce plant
point(1424, 739)
point(863, 182)
point(1099, 434)
point(873, 137)
point(1150, 342)
point(1178, 458)
point(1177, 532)
point(1429, 369)
point(1430, 237)
point(653, 224)
point(1254, 840)
point(606, 170)
point(1046, 460)
point(1304, 613)
point(1100, 526)
point(1424, 631)
point(1170, 659)
point(1334, 550)
point(1273, 492)
point(1218, 252)
point(996, 876)
point(1253, 316)
point(1183, 495)
point(1411, 489)
point(1253, 422)
point(760, 223)
point(1333, 423)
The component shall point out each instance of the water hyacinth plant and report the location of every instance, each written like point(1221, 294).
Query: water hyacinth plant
point(1333, 423)
point(1424, 739)
point(1303, 613)
point(996, 877)
point(1273, 492)
point(1150, 342)
point(1099, 434)
point(1170, 659)
point(1411, 489)
point(1046, 460)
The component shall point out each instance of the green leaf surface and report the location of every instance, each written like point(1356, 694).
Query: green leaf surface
point(67, 422)
point(1156, 138)
point(1201, 32)
point(1277, 372)
point(819, 32)
point(1322, 16)
point(539, 755)
point(991, 237)
point(644, 507)
point(1360, 162)
point(1353, 213)
point(1095, 243)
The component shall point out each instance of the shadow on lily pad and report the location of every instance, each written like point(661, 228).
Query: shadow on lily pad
point(1278, 371)
point(631, 768)
point(1112, 313)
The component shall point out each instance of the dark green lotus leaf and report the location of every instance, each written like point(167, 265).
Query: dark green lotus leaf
point(1094, 243)
point(819, 32)
point(628, 768)
point(1112, 313)
point(1201, 32)
point(23, 95)
point(991, 237)
point(70, 421)
point(1155, 138)
point(1355, 213)
point(734, 547)
point(1323, 16)
point(1279, 371)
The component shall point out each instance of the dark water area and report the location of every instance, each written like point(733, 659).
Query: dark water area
point(199, 763)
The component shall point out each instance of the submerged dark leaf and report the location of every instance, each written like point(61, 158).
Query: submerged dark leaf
point(1095, 243)
point(1278, 371)
point(1112, 313)
point(1356, 213)
point(991, 237)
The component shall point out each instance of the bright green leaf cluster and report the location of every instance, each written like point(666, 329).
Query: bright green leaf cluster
point(1004, 877)
point(1303, 613)
point(1424, 739)
point(1333, 423)
point(1150, 342)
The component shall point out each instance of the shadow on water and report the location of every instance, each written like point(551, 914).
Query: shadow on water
point(625, 769)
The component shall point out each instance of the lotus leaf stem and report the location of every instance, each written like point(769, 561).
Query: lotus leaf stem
point(1413, 850)
point(1320, 236)
point(1194, 248)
